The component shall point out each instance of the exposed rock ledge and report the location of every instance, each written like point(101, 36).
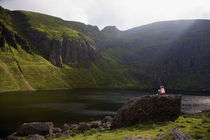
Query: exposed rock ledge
point(148, 108)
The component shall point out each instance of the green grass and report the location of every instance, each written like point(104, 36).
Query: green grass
point(195, 127)
point(53, 27)
point(41, 74)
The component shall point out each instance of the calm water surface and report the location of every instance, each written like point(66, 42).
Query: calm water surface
point(76, 105)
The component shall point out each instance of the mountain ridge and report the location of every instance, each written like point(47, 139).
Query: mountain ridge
point(75, 55)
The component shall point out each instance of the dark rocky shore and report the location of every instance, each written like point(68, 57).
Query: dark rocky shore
point(137, 110)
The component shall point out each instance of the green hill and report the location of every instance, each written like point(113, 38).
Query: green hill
point(44, 52)
point(39, 51)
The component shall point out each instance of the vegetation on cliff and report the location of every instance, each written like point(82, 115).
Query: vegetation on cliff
point(47, 52)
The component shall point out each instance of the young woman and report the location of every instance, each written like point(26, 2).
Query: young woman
point(161, 91)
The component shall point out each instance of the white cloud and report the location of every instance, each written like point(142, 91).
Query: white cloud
point(122, 13)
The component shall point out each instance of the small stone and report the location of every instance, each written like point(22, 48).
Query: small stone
point(50, 136)
point(58, 135)
point(198, 117)
point(83, 126)
point(128, 138)
point(95, 124)
point(185, 116)
point(206, 110)
point(35, 137)
point(56, 130)
point(65, 127)
point(107, 119)
point(160, 136)
point(178, 134)
point(66, 133)
point(108, 125)
point(73, 126)
point(32, 128)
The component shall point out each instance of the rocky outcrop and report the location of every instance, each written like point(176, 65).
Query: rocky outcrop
point(148, 108)
point(71, 52)
point(41, 128)
point(9, 39)
point(76, 53)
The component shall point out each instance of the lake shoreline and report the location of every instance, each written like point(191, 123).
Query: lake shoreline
point(71, 130)
point(135, 89)
point(87, 104)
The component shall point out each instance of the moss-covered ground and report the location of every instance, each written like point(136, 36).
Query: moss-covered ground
point(197, 126)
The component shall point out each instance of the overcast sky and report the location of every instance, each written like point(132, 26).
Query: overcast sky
point(124, 14)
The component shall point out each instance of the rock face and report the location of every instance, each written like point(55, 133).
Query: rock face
point(148, 108)
point(71, 52)
point(76, 52)
point(8, 37)
point(41, 128)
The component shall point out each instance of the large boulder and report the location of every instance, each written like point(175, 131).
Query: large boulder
point(148, 108)
point(41, 128)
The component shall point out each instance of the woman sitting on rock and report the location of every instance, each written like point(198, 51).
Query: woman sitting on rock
point(161, 91)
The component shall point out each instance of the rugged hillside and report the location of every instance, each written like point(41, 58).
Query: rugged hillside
point(173, 53)
point(39, 51)
point(43, 52)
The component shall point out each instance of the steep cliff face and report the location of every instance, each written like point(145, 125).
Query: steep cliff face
point(10, 38)
point(70, 52)
point(76, 50)
point(174, 53)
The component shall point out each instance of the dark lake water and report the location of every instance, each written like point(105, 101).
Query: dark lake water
point(73, 106)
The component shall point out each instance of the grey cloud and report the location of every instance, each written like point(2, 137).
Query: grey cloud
point(122, 13)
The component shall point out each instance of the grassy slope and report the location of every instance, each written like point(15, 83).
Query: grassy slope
point(53, 27)
point(108, 73)
point(197, 127)
point(36, 70)
point(41, 74)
